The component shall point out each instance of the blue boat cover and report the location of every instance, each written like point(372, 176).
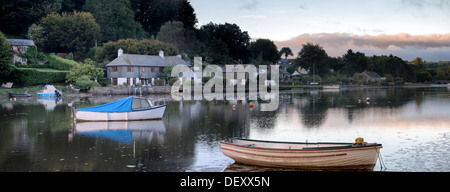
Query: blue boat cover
point(121, 136)
point(123, 105)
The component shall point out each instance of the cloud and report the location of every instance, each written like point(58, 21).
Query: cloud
point(337, 44)
point(249, 4)
point(303, 6)
point(252, 17)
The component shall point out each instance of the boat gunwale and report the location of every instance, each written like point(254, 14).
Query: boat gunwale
point(345, 145)
point(135, 110)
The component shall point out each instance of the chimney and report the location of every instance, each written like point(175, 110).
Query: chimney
point(161, 53)
point(119, 52)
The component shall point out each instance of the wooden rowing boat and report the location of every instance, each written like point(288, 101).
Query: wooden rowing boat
point(128, 109)
point(19, 95)
point(321, 156)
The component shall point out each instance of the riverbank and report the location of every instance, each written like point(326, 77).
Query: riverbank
point(166, 90)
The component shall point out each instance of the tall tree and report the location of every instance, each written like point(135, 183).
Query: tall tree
point(314, 58)
point(418, 62)
point(16, 16)
point(267, 49)
point(72, 5)
point(286, 51)
point(115, 18)
point(392, 65)
point(187, 15)
point(75, 32)
point(37, 33)
point(183, 38)
point(152, 14)
point(354, 62)
point(5, 58)
point(236, 40)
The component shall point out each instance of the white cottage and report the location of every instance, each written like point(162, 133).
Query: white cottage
point(145, 69)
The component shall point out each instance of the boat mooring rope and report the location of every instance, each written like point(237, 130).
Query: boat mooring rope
point(381, 159)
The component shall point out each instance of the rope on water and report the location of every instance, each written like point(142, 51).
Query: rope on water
point(381, 159)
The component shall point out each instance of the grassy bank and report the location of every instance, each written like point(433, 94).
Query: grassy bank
point(32, 89)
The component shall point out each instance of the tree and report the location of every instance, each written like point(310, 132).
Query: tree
point(17, 16)
point(37, 33)
point(152, 14)
point(115, 18)
point(183, 38)
point(236, 41)
point(354, 62)
point(423, 76)
point(336, 63)
point(266, 48)
point(393, 65)
point(87, 69)
point(418, 62)
point(187, 15)
point(5, 58)
point(314, 58)
point(286, 51)
point(75, 32)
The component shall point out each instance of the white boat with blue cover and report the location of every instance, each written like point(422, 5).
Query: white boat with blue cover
point(127, 109)
point(49, 92)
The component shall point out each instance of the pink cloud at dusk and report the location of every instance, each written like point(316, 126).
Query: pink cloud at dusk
point(431, 47)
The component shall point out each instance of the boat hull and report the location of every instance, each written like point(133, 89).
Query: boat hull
point(47, 95)
point(334, 156)
point(152, 113)
point(18, 95)
point(331, 87)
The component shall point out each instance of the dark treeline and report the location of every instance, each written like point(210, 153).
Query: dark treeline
point(83, 27)
point(314, 58)
point(95, 29)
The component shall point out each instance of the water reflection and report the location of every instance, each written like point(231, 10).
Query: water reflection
point(35, 136)
point(123, 132)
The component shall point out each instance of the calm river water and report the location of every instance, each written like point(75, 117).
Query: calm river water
point(413, 124)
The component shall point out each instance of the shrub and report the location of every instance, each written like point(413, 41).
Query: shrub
point(31, 76)
point(95, 84)
point(399, 81)
point(172, 81)
point(159, 82)
point(60, 63)
point(83, 83)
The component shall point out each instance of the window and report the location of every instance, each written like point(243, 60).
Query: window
point(114, 69)
point(143, 69)
point(152, 69)
point(129, 69)
point(161, 69)
point(114, 81)
point(128, 81)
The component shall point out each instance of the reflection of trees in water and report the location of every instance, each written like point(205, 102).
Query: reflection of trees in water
point(187, 124)
point(314, 112)
point(313, 105)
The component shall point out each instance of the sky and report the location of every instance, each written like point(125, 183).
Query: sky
point(405, 28)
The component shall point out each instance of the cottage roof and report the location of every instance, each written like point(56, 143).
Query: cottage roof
point(372, 74)
point(21, 42)
point(146, 60)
